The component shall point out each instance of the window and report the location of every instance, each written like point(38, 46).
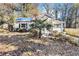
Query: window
point(22, 25)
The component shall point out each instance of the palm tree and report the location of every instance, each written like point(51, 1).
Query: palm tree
point(40, 24)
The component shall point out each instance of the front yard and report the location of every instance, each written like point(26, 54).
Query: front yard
point(19, 44)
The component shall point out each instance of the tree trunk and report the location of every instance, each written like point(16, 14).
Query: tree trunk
point(75, 18)
point(56, 14)
point(40, 33)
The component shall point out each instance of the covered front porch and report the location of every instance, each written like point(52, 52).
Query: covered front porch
point(22, 24)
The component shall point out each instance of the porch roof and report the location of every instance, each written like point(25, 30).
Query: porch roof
point(23, 19)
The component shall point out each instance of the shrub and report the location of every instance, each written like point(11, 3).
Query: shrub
point(33, 33)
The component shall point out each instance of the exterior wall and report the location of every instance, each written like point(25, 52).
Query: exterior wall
point(58, 28)
point(16, 25)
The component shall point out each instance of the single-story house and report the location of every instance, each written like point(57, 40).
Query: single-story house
point(22, 23)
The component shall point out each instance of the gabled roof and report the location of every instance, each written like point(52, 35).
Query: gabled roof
point(24, 19)
point(50, 19)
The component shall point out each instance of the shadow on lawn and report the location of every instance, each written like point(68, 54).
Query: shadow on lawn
point(22, 44)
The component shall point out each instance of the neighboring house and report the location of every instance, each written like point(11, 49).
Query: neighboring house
point(22, 24)
point(57, 25)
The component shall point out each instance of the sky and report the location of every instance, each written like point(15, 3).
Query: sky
point(41, 8)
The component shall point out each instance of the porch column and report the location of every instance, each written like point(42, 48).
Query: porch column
point(19, 25)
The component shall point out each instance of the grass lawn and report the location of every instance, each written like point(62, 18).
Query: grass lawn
point(72, 31)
